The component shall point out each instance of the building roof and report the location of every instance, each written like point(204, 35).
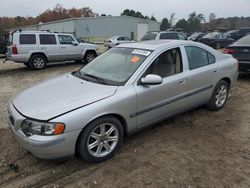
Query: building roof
point(86, 18)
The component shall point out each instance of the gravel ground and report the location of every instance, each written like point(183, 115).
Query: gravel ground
point(196, 149)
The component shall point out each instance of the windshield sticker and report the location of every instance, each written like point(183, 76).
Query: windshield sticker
point(134, 59)
point(141, 52)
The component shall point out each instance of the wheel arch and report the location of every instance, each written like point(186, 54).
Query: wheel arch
point(90, 50)
point(228, 80)
point(117, 116)
point(38, 53)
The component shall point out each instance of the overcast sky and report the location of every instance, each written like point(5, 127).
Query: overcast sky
point(158, 8)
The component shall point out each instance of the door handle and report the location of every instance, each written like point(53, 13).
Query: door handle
point(216, 71)
point(43, 48)
point(182, 82)
point(63, 47)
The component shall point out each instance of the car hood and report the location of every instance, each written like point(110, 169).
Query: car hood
point(60, 95)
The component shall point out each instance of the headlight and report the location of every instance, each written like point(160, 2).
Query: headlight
point(30, 128)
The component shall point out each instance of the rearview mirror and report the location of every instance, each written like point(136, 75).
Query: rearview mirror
point(151, 79)
point(74, 43)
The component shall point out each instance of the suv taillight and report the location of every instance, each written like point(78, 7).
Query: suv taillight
point(14, 49)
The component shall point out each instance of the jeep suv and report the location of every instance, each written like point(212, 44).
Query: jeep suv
point(37, 48)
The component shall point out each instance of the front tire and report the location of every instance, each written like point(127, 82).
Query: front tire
point(89, 56)
point(101, 139)
point(219, 96)
point(38, 62)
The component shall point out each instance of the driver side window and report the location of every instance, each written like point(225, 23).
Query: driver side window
point(65, 39)
point(167, 64)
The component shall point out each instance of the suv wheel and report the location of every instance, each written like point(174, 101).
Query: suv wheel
point(101, 139)
point(89, 56)
point(219, 96)
point(38, 62)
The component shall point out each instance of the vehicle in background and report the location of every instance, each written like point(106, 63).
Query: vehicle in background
point(241, 51)
point(116, 40)
point(3, 44)
point(216, 40)
point(122, 91)
point(196, 36)
point(244, 31)
point(233, 34)
point(163, 35)
point(37, 48)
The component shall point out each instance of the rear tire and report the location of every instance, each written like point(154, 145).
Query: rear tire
point(101, 139)
point(219, 96)
point(89, 56)
point(38, 62)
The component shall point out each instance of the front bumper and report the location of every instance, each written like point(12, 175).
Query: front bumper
point(44, 147)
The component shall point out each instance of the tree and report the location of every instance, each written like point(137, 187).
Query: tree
point(153, 18)
point(212, 17)
point(172, 19)
point(165, 24)
point(182, 23)
point(128, 12)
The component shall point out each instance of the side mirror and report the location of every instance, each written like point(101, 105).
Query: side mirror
point(151, 79)
point(74, 43)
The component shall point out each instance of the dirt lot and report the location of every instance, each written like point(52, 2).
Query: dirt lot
point(197, 149)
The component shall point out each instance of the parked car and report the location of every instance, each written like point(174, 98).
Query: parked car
point(216, 40)
point(241, 51)
point(3, 44)
point(196, 36)
point(37, 48)
point(233, 34)
point(244, 31)
point(122, 91)
point(116, 40)
point(163, 35)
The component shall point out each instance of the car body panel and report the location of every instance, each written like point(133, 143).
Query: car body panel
point(51, 98)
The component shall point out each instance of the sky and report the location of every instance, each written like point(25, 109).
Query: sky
point(158, 8)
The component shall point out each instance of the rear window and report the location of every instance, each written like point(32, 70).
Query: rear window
point(47, 39)
point(168, 36)
point(244, 41)
point(149, 36)
point(27, 39)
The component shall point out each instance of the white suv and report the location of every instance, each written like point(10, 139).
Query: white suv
point(37, 48)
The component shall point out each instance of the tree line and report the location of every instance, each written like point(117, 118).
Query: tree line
point(194, 22)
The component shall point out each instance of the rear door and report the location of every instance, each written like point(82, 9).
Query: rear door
point(48, 44)
point(68, 51)
point(202, 74)
point(155, 102)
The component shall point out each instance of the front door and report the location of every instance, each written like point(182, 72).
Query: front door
point(155, 102)
point(68, 51)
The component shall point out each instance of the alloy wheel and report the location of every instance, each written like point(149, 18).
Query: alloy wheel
point(103, 140)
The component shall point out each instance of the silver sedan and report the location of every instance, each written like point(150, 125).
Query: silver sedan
point(122, 91)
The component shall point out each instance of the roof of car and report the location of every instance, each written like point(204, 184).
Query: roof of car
point(155, 44)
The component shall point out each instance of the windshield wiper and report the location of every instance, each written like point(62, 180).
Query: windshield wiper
point(101, 80)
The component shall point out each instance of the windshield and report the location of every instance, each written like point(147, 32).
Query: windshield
point(115, 66)
point(195, 35)
point(149, 36)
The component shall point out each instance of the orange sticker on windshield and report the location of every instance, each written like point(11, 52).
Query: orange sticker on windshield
point(134, 59)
